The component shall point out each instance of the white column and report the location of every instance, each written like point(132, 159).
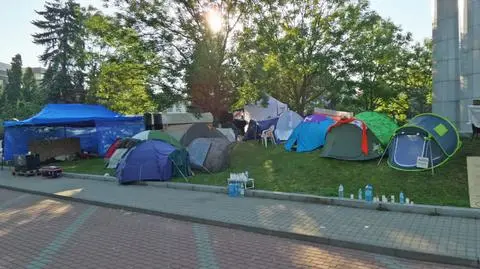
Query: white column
point(445, 40)
point(470, 60)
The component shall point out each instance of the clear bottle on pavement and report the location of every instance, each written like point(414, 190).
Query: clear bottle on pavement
point(360, 194)
point(242, 190)
point(402, 198)
point(340, 191)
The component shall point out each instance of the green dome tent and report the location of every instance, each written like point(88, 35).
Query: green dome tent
point(363, 138)
point(381, 125)
point(158, 135)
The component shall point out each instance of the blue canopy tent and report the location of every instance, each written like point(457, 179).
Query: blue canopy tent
point(95, 126)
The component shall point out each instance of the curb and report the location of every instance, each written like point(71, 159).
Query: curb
point(400, 253)
point(431, 210)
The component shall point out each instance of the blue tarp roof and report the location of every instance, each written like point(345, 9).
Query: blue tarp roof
point(70, 114)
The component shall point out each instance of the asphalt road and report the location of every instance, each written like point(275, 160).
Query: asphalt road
point(40, 232)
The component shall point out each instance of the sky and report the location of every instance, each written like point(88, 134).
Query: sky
point(16, 28)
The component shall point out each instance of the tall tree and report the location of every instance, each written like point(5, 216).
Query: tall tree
point(292, 50)
point(30, 87)
point(122, 67)
point(375, 58)
point(13, 88)
point(182, 33)
point(63, 35)
point(419, 82)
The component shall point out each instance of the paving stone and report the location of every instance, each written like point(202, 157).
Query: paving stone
point(376, 228)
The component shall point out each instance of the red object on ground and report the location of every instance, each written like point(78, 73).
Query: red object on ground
point(51, 171)
point(364, 132)
point(112, 149)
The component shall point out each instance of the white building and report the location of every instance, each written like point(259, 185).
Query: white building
point(456, 59)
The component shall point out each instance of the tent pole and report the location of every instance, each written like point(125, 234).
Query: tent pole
point(184, 177)
point(385, 151)
point(431, 157)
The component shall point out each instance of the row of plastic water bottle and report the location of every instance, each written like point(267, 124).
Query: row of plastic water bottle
point(370, 198)
point(236, 184)
point(239, 176)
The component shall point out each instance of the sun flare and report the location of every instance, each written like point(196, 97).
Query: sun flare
point(214, 20)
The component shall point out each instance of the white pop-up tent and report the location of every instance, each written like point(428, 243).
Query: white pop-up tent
point(286, 123)
point(258, 112)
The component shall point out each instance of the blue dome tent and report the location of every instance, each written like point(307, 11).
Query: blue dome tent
point(309, 135)
point(153, 160)
point(95, 126)
point(427, 136)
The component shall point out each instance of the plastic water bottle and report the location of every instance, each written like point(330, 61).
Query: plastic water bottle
point(242, 190)
point(340, 191)
point(360, 194)
point(369, 193)
point(231, 189)
point(402, 198)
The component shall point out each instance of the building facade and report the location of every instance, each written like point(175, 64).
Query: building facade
point(38, 73)
point(456, 59)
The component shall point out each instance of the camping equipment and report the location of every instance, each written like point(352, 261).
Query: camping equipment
point(260, 112)
point(361, 138)
point(51, 171)
point(157, 135)
point(243, 178)
point(229, 133)
point(153, 121)
point(287, 122)
point(474, 118)
point(52, 148)
point(255, 128)
point(268, 134)
point(153, 160)
point(315, 118)
point(186, 134)
point(26, 164)
point(308, 136)
point(112, 148)
point(427, 137)
point(210, 154)
point(95, 126)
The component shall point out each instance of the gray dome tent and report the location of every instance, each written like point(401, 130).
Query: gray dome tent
point(211, 154)
point(197, 130)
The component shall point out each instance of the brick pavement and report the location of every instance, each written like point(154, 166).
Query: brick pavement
point(112, 238)
point(386, 231)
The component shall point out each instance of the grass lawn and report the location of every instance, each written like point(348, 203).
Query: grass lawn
point(277, 170)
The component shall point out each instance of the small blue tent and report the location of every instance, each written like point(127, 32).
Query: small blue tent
point(95, 126)
point(153, 160)
point(309, 136)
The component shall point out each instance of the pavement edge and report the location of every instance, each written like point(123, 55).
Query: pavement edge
point(400, 253)
point(431, 210)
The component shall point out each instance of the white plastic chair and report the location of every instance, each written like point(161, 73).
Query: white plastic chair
point(268, 133)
